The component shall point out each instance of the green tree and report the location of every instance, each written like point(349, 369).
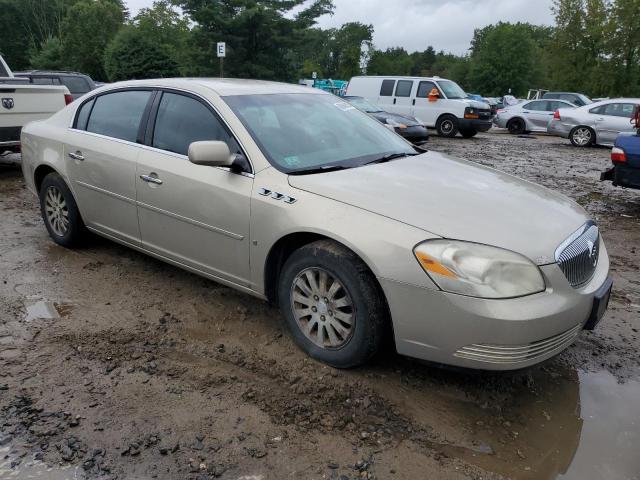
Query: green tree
point(132, 55)
point(392, 61)
point(624, 47)
point(88, 28)
point(261, 35)
point(50, 56)
point(504, 56)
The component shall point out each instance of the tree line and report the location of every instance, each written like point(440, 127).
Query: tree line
point(594, 46)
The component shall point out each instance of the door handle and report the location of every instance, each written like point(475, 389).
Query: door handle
point(150, 179)
point(76, 156)
point(413, 102)
point(394, 101)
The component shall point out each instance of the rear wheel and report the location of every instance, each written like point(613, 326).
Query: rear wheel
point(516, 126)
point(468, 132)
point(447, 126)
point(582, 136)
point(332, 304)
point(60, 212)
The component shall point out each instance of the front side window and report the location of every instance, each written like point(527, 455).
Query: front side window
point(539, 106)
point(387, 88)
point(451, 89)
point(119, 114)
point(182, 120)
point(403, 89)
point(424, 88)
point(307, 132)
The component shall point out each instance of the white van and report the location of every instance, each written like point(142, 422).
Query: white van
point(450, 113)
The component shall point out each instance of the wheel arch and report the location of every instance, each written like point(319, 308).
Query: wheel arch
point(40, 172)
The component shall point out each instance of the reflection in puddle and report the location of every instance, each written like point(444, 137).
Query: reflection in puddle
point(610, 442)
point(35, 470)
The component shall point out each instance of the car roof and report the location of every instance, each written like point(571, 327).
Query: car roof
point(221, 86)
point(400, 77)
point(49, 72)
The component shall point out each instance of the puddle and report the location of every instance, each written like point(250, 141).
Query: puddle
point(34, 469)
point(41, 310)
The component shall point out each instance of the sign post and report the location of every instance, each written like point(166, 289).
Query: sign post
point(222, 52)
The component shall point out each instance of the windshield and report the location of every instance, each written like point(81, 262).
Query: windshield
point(584, 100)
point(452, 89)
point(363, 104)
point(299, 132)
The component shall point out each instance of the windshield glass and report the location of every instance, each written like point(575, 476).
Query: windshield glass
point(363, 104)
point(299, 132)
point(584, 99)
point(452, 89)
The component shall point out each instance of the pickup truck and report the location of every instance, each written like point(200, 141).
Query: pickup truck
point(21, 103)
point(625, 157)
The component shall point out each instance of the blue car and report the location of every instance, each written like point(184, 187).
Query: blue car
point(625, 157)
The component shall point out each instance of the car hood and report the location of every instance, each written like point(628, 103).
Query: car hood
point(456, 199)
point(476, 103)
point(408, 121)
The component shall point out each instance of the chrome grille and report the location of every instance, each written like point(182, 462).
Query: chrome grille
point(578, 254)
point(511, 354)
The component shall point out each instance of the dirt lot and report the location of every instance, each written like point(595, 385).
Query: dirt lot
point(115, 365)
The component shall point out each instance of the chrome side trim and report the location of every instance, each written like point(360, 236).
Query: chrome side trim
point(514, 354)
point(106, 192)
point(206, 226)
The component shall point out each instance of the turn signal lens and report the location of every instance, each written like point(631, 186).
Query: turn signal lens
point(478, 270)
point(618, 155)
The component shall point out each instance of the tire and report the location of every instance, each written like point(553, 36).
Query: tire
point(516, 126)
point(468, 133)
point(60, 212)
point(328, 288)
point(447, 126)
point(582, 136)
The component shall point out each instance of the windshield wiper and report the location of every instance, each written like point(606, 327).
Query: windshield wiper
point(391, 156)
point(323, 169)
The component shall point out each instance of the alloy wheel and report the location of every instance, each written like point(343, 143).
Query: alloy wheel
point(57, 212)
point(582, 136)
point(323, 308)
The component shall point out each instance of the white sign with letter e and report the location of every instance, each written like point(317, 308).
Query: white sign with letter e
point(222, 49)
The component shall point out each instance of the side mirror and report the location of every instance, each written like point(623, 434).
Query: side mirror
point(212, 154)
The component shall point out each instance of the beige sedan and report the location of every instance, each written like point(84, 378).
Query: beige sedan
point(292, 195)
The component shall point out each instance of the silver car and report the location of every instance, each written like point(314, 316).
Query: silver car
point(529, 116)
point(597, 123)
point(296, 197)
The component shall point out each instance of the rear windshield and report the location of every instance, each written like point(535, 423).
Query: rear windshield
point(75, 84)
point(3, 71)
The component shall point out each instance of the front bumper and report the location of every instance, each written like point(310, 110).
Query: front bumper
point(622, 176)
point(414, 132)
point(475, 333)
point(480, 125)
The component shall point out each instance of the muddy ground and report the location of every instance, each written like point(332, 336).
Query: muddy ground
point(115, 365)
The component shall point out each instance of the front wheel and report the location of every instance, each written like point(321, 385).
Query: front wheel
point(581, 137)
point(516, 126)
point(60, 212)
point(447, 126)
point(332, 304)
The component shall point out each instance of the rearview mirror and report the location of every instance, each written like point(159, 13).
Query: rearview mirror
point(212, 154)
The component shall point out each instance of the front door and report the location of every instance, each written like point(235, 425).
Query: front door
point(101, 155)
point(425, 110)
point(193, 214)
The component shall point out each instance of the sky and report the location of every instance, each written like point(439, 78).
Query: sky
point(415, 24)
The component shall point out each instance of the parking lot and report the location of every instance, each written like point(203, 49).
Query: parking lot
point(121, 366)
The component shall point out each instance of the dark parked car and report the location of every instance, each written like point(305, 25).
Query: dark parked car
point(410, 128)
point(578, 99)
point(77, 83)
point(625, 157)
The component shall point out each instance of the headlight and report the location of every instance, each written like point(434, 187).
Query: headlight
point(478, 270)
point(393, 123)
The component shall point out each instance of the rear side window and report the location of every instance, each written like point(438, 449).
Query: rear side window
point(403, 89)
point(538, 106)
point(424, 88)
point(83, 115)
point(119, 114)
point(182, 120)
point(387, 88)
point(76, 85)
point(598, 110)
point(624, 110)
point(554, 105)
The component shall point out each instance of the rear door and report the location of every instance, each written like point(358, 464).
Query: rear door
point(193, 214)
point(404, 96)
point(101, 153)
point(613, 119)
